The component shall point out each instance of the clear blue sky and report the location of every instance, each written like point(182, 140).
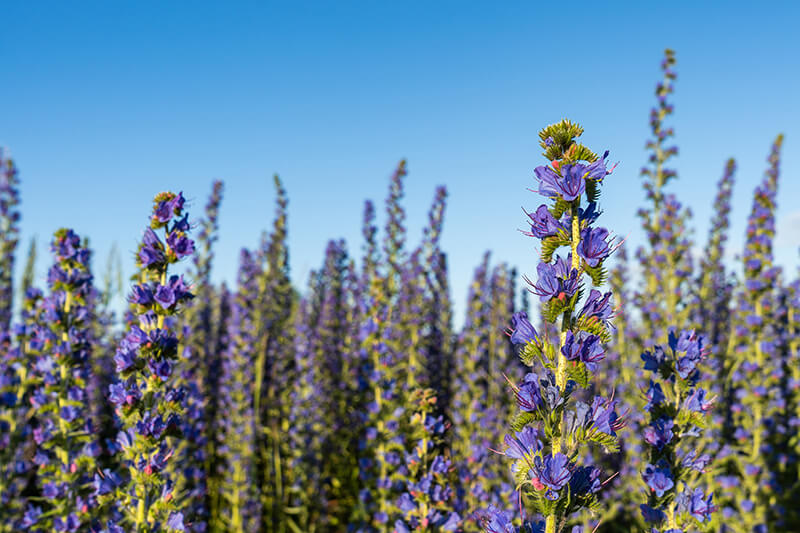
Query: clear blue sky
point(106, 103)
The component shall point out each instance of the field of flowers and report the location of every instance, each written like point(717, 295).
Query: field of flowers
point(662, 402)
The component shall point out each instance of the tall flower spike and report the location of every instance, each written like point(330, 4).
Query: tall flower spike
point(426, 505)
point(757, 368)
point(475, 425)
point(274, 361)
point(66, 451)
point(677, 410)
point(715, 287)
point(239, 508)
point(9, 234)
point(552, 429)
point(146, 401)
point(665, 261)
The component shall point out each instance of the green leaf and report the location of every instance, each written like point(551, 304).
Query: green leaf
point(611, 444)
point(598, 273)
point(522, 419)
point(694, 418)
point(592, 190)
point(560, 208)
point(578, 373)
point(594, 326)
point(552, 243)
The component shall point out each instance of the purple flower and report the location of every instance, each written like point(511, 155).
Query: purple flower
point(658, 479)
point(167, 207)
point(152, 250)
point(553, 472)
point(69, 413)
point(593, 247)
point(696, 504)
point(543, 224)
point(698, 464)
point(655, 395)
point(698, 401)
point(529, 397)
point(141, 294)
point(659, 433)
point(31, 516)
point(558, 280)
point(494, 520)
point(585, 480)
point(604, 417)
point(124, 360)
point(175, 521)
point(523, 444)
point(569, 185)
point(180, 244)
point(583, 347)
point(165, 296)
point(161, 369)
point(406, 503)
point(651, 515)
point(523, 331)
point(653, 360)
point(70, 523)
point(598, 306)
point(106, 482)
point(548, 285)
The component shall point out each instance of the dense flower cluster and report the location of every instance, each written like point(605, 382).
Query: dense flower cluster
point(552, 427)
point(63, 429)
point(677, 409)
point(147, 402)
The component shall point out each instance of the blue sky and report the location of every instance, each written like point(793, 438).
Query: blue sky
point(106, 103)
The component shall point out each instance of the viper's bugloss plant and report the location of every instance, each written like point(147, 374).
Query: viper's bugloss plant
point(476, 424)
point(9, 234)
point(756, 370)
point(427, 503)
point(666, 262)
point(18, 351)
point(147, 402)
point(381, 442)
point(677, 413)
point(552, 429)
point(64, 432)
point(712, 310)
point(200, 371)
point(239, 506)
point(274, 365)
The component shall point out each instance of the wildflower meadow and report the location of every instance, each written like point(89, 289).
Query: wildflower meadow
point(599, 387)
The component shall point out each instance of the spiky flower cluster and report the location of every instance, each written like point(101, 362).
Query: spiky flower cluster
point(9, 233)
point(758, 364)
point(677, 409)
point(667, 262)
point(147, 403)
point(553, 428)
point(428, 500)
point(64, 431)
